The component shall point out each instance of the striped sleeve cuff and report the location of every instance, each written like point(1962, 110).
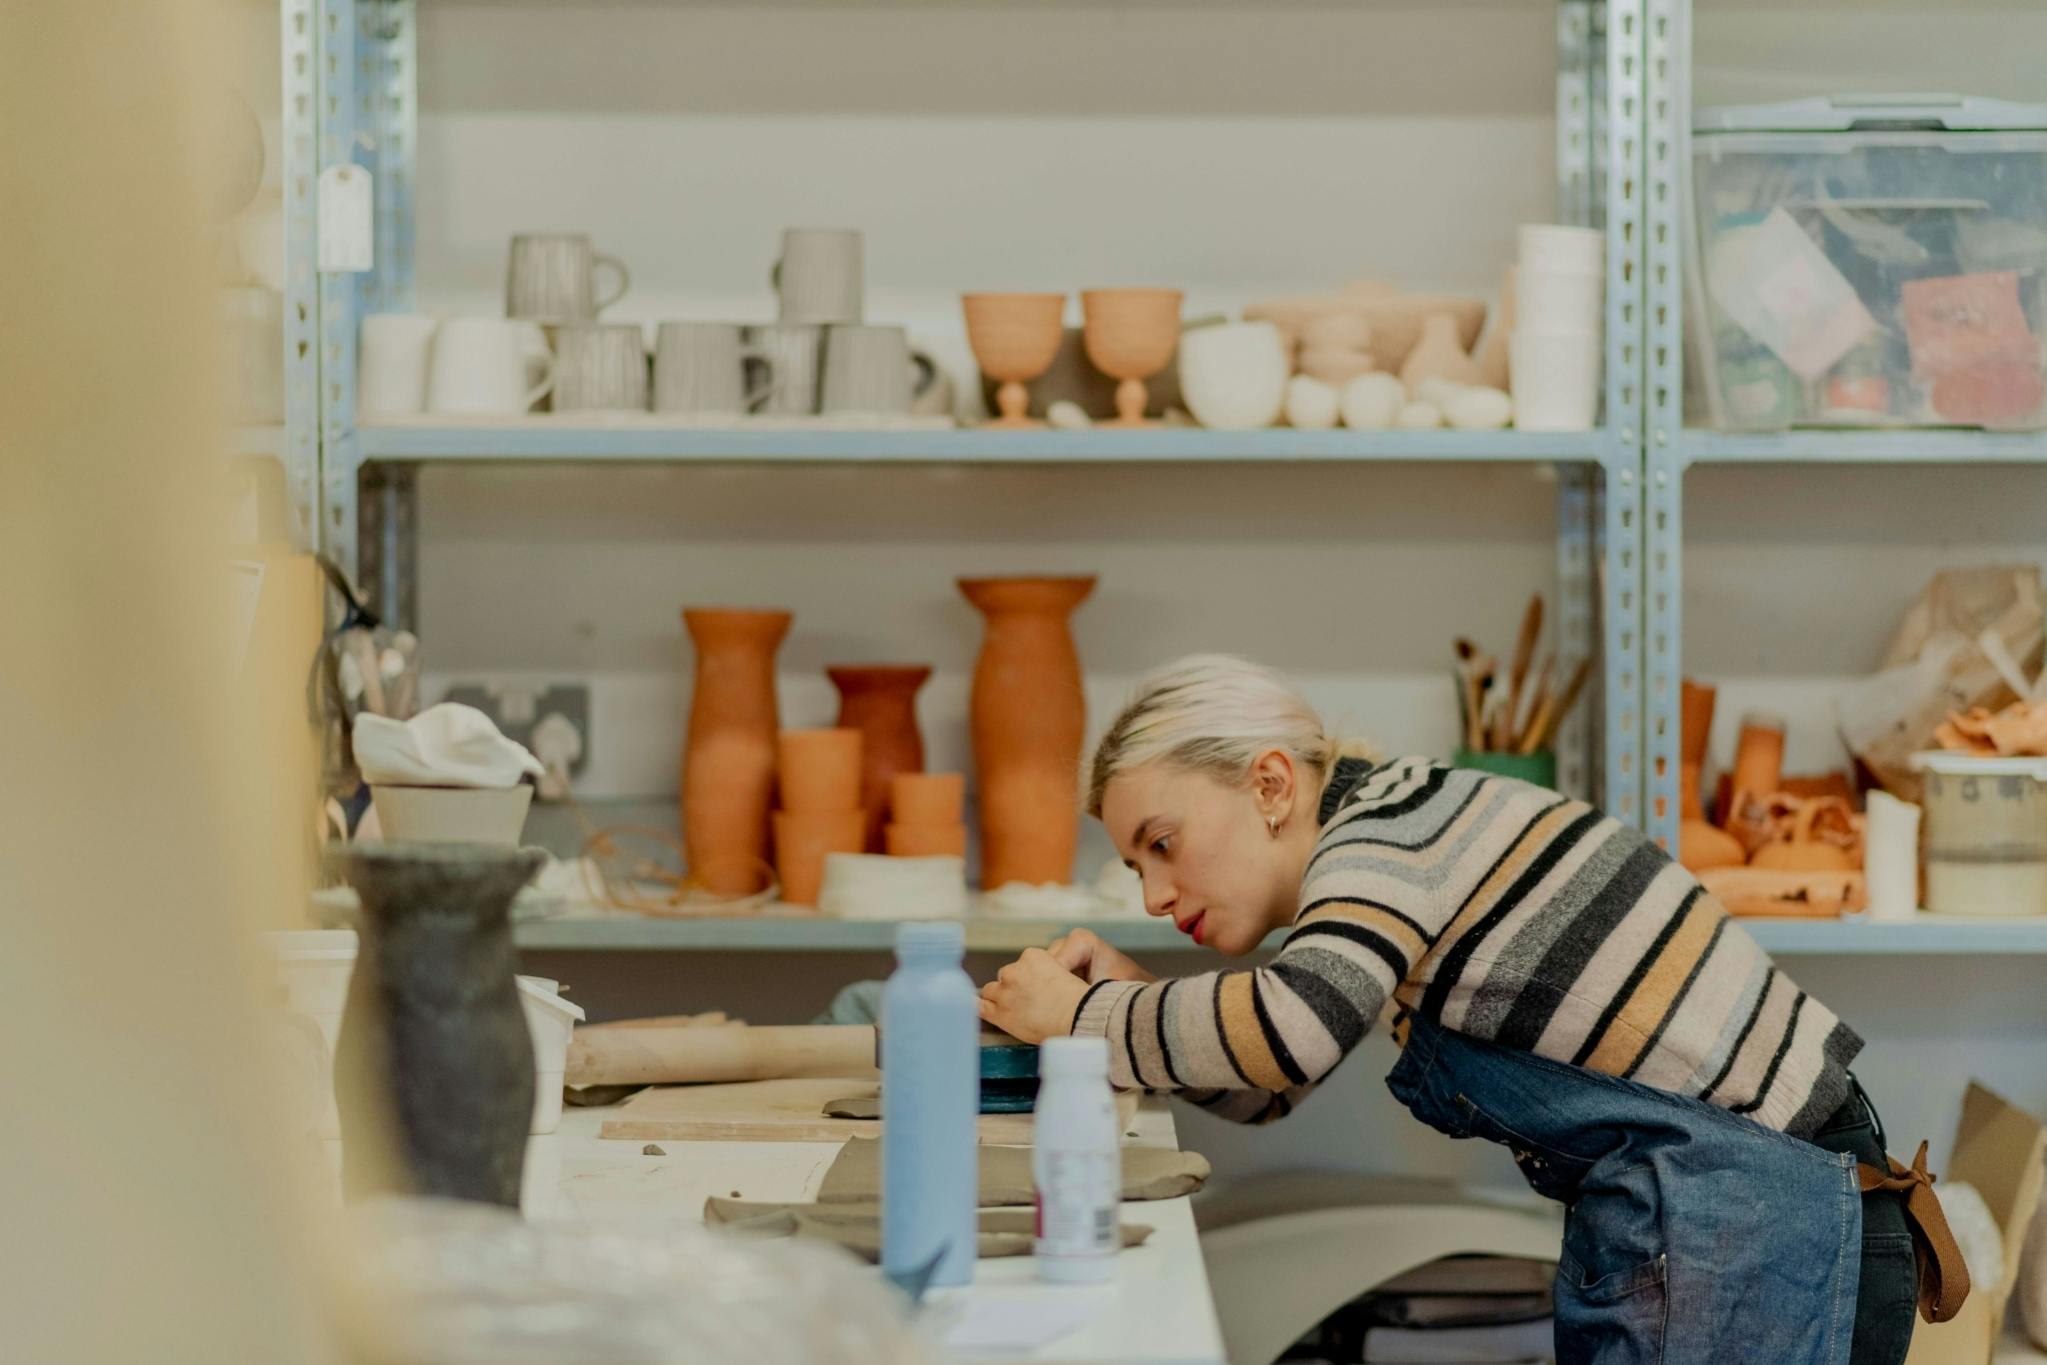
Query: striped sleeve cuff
point(1092, 1018)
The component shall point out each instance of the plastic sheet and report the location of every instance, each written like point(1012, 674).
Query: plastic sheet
point(434, 1282)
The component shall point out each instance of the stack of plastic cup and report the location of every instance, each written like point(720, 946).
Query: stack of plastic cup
point(1559, 327)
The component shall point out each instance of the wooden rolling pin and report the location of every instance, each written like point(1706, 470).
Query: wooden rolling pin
point(635, 1053)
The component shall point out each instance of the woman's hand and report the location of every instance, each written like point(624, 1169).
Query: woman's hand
point(1033, 998)
point(1083, 953)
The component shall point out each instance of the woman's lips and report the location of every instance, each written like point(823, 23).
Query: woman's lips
point(1192, 928)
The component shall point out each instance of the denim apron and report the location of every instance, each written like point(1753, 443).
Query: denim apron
point(1692, 1236)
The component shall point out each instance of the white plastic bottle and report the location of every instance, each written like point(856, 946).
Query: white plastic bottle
point(1076, 1162)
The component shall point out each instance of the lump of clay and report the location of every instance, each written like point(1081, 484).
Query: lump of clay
point(1311, 405)
point(1419, 417)
point(1371, 401)
point(1479, 409)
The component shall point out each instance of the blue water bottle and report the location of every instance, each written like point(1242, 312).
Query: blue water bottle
point(930, 1101)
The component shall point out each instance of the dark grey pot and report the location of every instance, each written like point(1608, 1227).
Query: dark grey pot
point(434, 1036)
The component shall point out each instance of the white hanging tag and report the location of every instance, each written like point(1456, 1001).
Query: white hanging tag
point(347, 232)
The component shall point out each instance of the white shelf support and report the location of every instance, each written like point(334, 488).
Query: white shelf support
point(299, 447)
point(1666, 171)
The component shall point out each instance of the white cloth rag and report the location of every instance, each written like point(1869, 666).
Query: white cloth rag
point(450, 745)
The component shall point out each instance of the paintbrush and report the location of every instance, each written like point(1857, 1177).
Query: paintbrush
point(1524, 719)
point(1517, 676)
point(1544, 729)
point(1476, 670)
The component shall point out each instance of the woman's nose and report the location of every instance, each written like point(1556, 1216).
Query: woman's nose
point(1159, 897)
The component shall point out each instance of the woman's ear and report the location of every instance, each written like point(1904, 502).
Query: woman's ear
point(1274, 783)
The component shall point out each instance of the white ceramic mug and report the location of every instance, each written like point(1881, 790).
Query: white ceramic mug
point(819, 276)
point(1233, 376)
point(550, 277)
point(391, 364)
point(867, 370)
point(701, 367)
point(600, 367)
point(1556, 379)
point(792, 353)
point(486, 366)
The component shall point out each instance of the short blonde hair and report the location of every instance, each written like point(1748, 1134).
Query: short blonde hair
point(1215, 714)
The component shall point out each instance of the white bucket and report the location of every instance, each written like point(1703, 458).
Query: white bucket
point(1986, 834)
point(452, 815)
point(314, 967)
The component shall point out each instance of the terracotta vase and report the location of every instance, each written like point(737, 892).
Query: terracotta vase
point(1014, 337)
point(925, 841)
point(1438, 355)
point(728, 766)
point(1694, 735)
point(880, 701)
point(801, 843)
point(927, 798)
point(1131, 335)
point(817, 772)
point(1028, 716)
point(434, 1051)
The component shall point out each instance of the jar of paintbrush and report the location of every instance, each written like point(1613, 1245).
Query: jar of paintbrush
point(1508, 721)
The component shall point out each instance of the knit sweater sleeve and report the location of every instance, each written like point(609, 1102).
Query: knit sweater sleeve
point(1367, 917)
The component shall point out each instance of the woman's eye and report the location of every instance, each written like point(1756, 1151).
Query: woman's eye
point(1161, 846)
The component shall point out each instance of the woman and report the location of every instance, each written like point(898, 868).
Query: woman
point(1561, 987)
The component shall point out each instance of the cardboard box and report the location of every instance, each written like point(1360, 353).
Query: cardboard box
point(1999, 1149)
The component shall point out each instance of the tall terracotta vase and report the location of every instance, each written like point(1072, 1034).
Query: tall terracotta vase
point(728, 768)
point(880, 702)
point(1028, 717)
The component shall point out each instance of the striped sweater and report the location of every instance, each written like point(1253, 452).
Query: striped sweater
point(1503, 912)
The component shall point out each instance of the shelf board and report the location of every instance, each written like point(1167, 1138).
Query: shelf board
point(632, 440)
point(786, 932)
point(1859, 446)
point(1931, 934)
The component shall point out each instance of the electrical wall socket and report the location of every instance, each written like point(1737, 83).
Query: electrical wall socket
point(517, 708)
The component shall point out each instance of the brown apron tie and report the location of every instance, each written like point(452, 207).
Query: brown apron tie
point(1943, 1277)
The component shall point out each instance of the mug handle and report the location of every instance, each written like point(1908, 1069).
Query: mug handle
point(928, 374)
point(774, 379)
point(543, 388)
point(625, 280)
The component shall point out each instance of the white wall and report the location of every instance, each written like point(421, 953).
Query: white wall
point(1234, 150)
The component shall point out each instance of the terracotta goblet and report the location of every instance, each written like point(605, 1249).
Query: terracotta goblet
point(1131, 335)
point(1015, 337)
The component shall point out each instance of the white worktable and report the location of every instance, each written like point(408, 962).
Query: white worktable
point(1157, 1310)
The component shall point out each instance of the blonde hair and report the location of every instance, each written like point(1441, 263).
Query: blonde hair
point(1215, 714)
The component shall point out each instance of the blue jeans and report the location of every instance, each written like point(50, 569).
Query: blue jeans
point(1691, 1234)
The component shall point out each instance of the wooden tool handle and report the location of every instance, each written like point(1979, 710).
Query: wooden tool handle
point(606, 1054)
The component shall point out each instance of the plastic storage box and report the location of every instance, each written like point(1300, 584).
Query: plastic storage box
point(1870, 261)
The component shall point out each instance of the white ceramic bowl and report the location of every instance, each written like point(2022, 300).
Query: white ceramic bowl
point(870, 886)
point(452, 815)
point(1233, 376)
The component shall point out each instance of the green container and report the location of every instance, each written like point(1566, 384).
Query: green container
point(1537, 768)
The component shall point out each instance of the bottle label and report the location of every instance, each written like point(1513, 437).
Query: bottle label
point(1078, 1194)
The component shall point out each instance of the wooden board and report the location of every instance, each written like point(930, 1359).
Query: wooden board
point(778, 1111)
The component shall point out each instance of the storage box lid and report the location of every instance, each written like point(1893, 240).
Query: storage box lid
point(1953, 763)
point(1874, 113)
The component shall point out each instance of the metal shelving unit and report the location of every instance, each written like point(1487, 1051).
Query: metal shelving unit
point(1623, 110)
point(367, 108)
point(1929, 934)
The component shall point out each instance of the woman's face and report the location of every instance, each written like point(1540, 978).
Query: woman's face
point(1207, 856)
